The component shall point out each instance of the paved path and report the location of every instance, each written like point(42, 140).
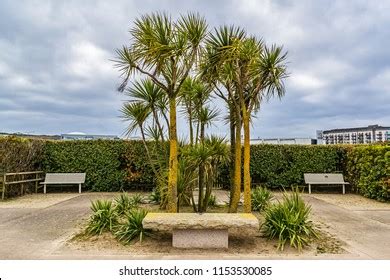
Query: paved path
point(31, 233)
point(367, 232)
point(39, 233)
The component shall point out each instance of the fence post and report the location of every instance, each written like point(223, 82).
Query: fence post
point(36, 183)
point(3, 193)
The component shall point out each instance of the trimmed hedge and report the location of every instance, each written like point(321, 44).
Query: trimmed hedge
point(113, 165)
point(283, 165)
point(20, 154)
point(368, 168)
point(101, 160)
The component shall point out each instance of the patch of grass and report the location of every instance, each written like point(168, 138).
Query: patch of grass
point(103, 217)
point(261, 198)
point(288, 221)
point(132, 228)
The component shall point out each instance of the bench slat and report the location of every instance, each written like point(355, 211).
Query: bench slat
point(64, 178)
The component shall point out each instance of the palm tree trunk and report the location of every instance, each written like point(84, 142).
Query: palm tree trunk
point(191, 125)
point(173, 162)
point(158, 125)
point(232, 149)
point(247, 154)
point(235, 198)
point(201, 172)
point(147, 151)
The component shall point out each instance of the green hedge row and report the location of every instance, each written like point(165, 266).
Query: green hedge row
point(284, 165)
point(118, 164)
point(110, 165)
point(368, 170)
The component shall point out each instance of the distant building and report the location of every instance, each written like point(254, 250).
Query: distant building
point(84, 136)
point(34, 136)
point(356, 135)
point(285, 141)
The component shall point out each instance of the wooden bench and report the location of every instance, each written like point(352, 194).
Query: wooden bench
point(208, 230)
point(324, 179)
point(19, 178)
point(63, 179)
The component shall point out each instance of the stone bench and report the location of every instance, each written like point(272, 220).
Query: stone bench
point(208, 230)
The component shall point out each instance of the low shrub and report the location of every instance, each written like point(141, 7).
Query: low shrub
point(136, 199)
point(288, 221)
point(132, 228)
point(123, 204)
point(212, 200)
point(103, 217)
point(155, 196)
point(261, 198)
point(368, 168)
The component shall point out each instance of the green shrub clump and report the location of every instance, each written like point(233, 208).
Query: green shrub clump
point(368, 169)
point(132, 228)
point(103, 218)
point(261, 198)
point(123, 204)
point(288, 221)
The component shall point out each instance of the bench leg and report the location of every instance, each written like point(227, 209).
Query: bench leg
point(309, 189)
point(79, 188)
point(44, 188)
point(343, 188)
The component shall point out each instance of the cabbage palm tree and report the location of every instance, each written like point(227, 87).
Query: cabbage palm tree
point(249, 71)
point(221, 67)
point(266, 73)
point(165, 51)
point(136, 113)
point(152, 97)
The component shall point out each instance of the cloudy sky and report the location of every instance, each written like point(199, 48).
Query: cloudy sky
point(56, 75)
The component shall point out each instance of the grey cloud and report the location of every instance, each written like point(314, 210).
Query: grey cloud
point(56, 75)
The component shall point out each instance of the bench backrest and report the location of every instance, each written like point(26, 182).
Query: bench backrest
point(65, 178)
point(326, 178)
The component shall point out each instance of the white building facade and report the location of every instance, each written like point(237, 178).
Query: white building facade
point(357, 135)
point(284, 141)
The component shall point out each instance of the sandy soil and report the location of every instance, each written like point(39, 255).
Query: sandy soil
point(160, 244)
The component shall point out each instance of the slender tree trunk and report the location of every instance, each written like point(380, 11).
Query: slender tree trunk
point(173, 162)
point(235, 199)
point(232, 149)
point(147, 151)
point(158, 125)
point(191, 125)
point(247, 154)
point(201, 172)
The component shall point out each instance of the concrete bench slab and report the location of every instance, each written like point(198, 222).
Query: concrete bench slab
point(208, 230)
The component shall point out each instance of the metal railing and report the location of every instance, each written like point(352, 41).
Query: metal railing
point(20, 178)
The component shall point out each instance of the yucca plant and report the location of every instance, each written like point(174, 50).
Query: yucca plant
point(261, 198)
point(123, 203)
point(212, 200)
point(136, 199)
point(289, 222)
point(133, 227)
point(103, 218)
point(155, 196)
